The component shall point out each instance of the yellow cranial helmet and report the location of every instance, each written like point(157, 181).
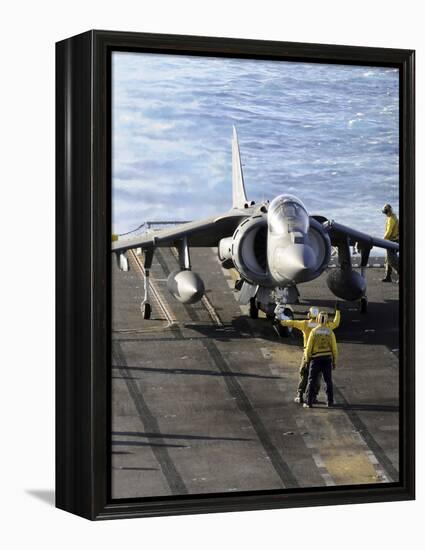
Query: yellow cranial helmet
point(313, 312)
point(322, 318)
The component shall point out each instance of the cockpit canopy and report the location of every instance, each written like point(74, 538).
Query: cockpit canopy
point(287, 214)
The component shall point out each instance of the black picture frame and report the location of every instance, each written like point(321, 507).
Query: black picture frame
point(83, 225)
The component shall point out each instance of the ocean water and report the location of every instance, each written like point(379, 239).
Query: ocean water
point(326, 133)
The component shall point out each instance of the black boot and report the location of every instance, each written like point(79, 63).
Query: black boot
point(387, 279)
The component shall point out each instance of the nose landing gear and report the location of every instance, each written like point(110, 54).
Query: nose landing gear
point(275, 306)
point(253, 308)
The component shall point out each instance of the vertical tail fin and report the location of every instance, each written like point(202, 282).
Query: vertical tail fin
point(238, 186)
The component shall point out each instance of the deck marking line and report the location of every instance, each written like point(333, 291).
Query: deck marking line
point(205, 301)
point(371, 443)
point(150, 423)
point(242, 401)
point(170, 317)
point(320, 464)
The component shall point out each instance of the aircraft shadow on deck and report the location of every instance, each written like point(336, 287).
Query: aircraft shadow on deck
point(188, 372)
point(367, 407)
point(153, 435)
point(145, 444)
point(376, 327)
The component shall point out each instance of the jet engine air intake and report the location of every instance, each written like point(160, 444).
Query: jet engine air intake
point(247, 250)
point(321, 244)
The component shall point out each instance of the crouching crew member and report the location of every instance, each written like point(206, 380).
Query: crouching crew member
point(306, 326)
point(322, 355)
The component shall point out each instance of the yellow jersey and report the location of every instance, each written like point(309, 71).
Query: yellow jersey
point(391, 228)
point(307, 325)
point(321, 342)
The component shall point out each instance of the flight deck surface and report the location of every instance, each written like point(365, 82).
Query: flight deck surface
point(202, 395)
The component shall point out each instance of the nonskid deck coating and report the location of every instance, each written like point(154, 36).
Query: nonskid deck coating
point(201, 407)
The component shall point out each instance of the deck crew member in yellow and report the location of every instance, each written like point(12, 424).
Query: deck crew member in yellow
point(306, 326)
point(322, 355)
point(391, 234)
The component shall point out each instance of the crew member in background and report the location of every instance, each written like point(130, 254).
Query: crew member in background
point(321, 353)
point(391, 234)
point(306, 326)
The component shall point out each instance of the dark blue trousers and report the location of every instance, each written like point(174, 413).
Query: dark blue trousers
point(319, 365)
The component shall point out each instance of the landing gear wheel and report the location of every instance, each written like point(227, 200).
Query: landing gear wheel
point(283, 332)
point(253, 309)
point(363, 304)
point(146, 310)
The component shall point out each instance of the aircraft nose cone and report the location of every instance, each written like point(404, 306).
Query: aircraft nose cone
point(296, 262)
point(300, 258)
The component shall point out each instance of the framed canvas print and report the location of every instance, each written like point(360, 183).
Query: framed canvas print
point(235, 274)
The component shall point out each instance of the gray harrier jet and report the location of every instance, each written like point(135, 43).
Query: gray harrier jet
point(274, 246)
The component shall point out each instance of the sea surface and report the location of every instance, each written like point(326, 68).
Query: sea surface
point(326, 133)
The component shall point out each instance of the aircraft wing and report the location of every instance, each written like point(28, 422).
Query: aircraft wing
point(337, 232)
point(206, 232)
